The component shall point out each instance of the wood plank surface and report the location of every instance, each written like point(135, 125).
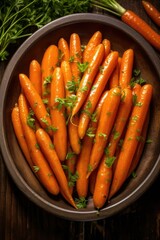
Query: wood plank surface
point(20, 219)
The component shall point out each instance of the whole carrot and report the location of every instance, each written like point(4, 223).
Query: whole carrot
point(17, 125)
point(49, 62)
point(132, 138)
point(106, 121)
point(114, 78)
point(88, 78)
point(152, 11)
point(35, 75)
point(63, 47)
point(35, 102)
point(57, 112)
point(98, 86)
point(131, 19)
point(126, 68)
point(74, 138)
point(40, 166)
point(48, 150)
point(107, 46)
point(75, 56)
point(95, 40)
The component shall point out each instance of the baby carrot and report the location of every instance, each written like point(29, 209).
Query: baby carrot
point(114, 78)
point(35, 75)
point(98, 86)
point(88, 78)
point(57, 112)
point(152, 11)
point(107, 47)
point(74, 139)
point(106, 120)
point(49, 62)
point(132, 137)
point(40, 166)
point(126, 68)
point(48, 150)
point(36, 103)
point(95, 40)
point(64, 50)
point(75, 56)
point(20, 134)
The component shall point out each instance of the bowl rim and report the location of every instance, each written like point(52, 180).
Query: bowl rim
point(76, 215)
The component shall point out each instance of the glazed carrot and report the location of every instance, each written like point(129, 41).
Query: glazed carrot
point(74, 139)
point(126, 68)
point(64, 50)
point(49, 62)
point(114, 78)
point(84, 156)
point(40, 165)
point(92, 181)
point(35, 75)
point(131, 19)
point(88, 78)
point(75, 56)
point(132, 138)
point(35, 102)
point(140, 147)
point(102, 184)
point(106, 121)
point(95, 40)
point(46, 145)
point(104, 175)
point(107, 47)
point(98, 86)
point(20, 134)
point(152, 11)
point(57, 112)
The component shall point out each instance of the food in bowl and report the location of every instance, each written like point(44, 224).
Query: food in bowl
point(145, 59)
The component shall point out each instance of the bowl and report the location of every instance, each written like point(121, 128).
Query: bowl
point(122, 37)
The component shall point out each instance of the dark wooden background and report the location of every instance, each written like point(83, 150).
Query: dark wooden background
point(21, 219)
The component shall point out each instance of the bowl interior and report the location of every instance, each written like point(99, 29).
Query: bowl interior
point(122, 38)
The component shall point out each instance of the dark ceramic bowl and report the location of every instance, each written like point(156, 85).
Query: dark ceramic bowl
point(121, 37)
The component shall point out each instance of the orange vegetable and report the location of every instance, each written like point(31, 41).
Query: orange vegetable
point(95, 40)
point(64, 50)
point(106, 121)
point(98, 86)
point(74, 139)
point(20, 134)
point(88, 78)
point(57, 112)
point(48, 150)
point(152, 11)
point(35, 75)
point(126, 68)
point(114, 78)
point(40, 166)
point(132, 137)
point(36, 103)
point(107, 47)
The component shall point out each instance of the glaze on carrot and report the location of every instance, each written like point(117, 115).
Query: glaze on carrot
point(63, 48)
point(35, 75)
point(152, 12)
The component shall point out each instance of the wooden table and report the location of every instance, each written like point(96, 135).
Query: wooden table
point(20, 219)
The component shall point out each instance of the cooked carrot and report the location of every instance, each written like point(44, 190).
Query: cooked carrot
point(35, 75)
point(107, 47)
point(74, 139)
point(49, 62)
point(104, 174)
point(132, 138)
point(40, 166)
point(106, 121)
point(64, 50)
point(48, 150)
point(152, 11)
point(20, 134)
point(140, 147)
point(92, 181)
point(36, 103)
point(75, 56)
point(98, 86)
point(57, 112)
point(126, 68)
point(94, 40)
point(114, 78)
point(88, 78)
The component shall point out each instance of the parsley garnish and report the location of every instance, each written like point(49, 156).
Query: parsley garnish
point(81, 202)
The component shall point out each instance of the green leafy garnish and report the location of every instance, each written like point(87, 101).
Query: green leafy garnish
point(81, 202)
point(31, 119)
point(109, 161)
point(82, 66)
point(72, 178)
